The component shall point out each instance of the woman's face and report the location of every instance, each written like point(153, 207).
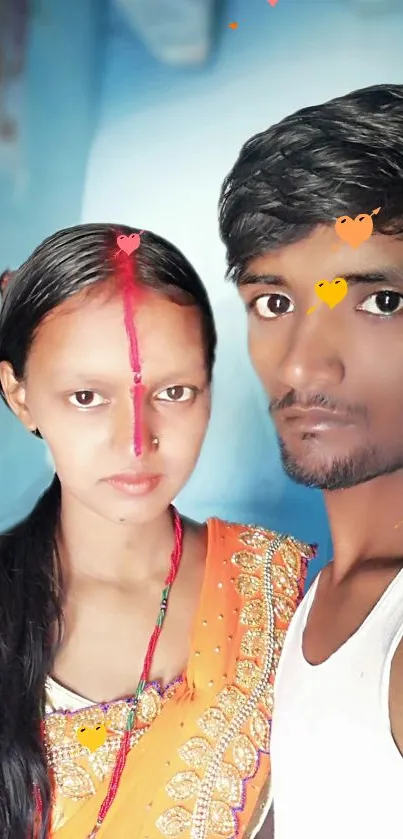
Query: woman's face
point(77, 392)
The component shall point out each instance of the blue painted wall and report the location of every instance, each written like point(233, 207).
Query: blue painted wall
point(152, 150)
point(61, 93)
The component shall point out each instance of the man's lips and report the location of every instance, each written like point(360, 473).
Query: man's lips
point(314, 418)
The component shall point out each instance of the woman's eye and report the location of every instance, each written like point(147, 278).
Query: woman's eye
point(272, 305)
point(177, 393)
point(86, 399)
point(382, 303)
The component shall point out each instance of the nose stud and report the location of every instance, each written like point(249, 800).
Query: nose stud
point(155, 442)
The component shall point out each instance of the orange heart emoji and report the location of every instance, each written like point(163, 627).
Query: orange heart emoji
point(233, 25)
point(355, 231)
point(92, 738)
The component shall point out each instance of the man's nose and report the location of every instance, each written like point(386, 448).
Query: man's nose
point(313, 358)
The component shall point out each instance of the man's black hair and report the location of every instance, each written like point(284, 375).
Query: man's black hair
point(344, 157)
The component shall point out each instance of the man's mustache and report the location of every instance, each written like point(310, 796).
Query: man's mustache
point(318, 400)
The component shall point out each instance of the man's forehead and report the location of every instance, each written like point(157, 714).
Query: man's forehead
point(378, 260)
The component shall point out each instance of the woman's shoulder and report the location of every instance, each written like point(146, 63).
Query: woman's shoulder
point(264, 569)
point(254, 536)
point(252, 548)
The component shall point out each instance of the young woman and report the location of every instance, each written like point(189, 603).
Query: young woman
point(137, 648)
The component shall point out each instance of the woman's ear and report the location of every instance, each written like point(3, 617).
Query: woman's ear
point(15, 395)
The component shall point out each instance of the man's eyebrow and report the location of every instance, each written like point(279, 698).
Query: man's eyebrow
point(379, 277)
point(261, 279)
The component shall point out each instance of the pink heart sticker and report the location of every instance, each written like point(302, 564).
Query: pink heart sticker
point(129, 244)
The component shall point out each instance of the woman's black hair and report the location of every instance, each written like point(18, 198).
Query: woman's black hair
point(31, 586)
point(343, 157)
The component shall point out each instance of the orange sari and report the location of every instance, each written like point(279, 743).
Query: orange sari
point(199, 764)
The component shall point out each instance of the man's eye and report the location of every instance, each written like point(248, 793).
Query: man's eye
point(177, 393)
point(384, 303)
point(86, 399)
point(272, 305)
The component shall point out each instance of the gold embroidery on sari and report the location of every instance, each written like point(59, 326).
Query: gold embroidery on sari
point(234, 732)
point(260, 730)
point(292, 558)
point(174, 822)
point(248, 585)
point(247, 560)
point(235, 746)
point(183, 785)
point(229, 785)
point(196, 752)
point(268, 698)
point(257, 538)
point(212, 723)
point(244, 755)
point(229, 700)
point(284, 610)
point(228, 755)
point(252, 644)
point(288, 586)
point(221, 820)
point(247, 674)
point(75, 767)
point(252, 613)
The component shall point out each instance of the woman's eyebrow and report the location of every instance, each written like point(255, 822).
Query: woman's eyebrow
point(75, 377)
point(79, 378)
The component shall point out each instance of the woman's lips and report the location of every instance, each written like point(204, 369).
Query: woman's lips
point(132, 484)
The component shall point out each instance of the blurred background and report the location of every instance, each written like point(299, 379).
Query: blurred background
point(133, 111)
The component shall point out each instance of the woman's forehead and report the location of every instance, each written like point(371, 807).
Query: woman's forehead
point(91, 333)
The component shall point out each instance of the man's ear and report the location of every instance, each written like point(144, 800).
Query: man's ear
point(15, 394)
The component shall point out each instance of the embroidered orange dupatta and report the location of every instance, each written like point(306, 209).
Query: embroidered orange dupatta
point(199, 764)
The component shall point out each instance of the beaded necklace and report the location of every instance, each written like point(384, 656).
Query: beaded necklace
point(144, 679)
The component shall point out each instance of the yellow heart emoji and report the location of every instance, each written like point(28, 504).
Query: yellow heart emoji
point(92, 738)
point(331, 293)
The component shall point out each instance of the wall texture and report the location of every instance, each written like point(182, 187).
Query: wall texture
point(165, 139)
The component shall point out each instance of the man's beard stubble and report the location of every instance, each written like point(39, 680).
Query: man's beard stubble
point(343, 473)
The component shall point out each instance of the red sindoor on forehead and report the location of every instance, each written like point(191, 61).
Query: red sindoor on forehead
point(132, 294)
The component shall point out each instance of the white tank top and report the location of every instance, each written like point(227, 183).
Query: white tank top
point(336, 771)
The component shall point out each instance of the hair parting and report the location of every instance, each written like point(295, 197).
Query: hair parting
point(132, 294)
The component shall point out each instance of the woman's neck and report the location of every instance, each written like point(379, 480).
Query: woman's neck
point(112, 552)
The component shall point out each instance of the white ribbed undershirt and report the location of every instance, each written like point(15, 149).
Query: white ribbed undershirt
point(336, 771)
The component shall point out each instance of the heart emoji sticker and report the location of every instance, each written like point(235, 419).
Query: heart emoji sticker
point(92, 738)
point(355, 231)
point(129, 244)
point(331, 293)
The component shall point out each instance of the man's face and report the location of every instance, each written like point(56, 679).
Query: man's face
point(334, 376)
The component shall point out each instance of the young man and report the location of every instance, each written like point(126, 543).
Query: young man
point(335, 379)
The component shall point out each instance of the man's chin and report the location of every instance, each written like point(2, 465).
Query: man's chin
point(335, 473)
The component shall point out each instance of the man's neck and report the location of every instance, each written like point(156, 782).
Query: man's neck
point(364, 522)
